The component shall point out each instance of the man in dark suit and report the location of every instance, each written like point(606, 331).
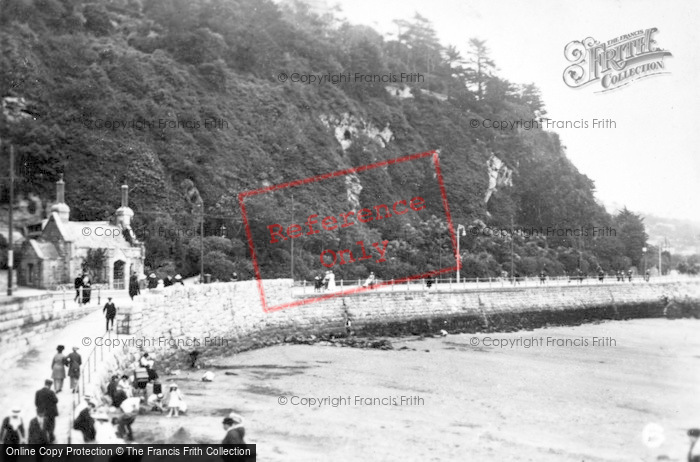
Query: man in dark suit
point(45, 402)
point(110, 312)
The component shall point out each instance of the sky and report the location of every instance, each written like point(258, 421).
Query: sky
point(649, 161)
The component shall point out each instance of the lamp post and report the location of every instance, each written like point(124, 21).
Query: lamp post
point(461, 231)
point(292, 243)
point(644, 254)
point(14, 109)
point(201, 243)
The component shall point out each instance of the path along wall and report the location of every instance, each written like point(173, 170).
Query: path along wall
point(28, 322)
point(197, 317)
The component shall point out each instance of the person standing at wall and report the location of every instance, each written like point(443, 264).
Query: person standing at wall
point(134, 289)
point(78, 283)
point(87, 284)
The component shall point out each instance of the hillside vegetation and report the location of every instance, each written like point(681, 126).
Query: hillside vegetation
point(81, 65)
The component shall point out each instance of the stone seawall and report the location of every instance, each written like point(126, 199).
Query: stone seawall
point(195, 317)
point(28, 322)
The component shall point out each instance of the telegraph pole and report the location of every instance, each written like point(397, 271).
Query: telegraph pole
point(201, 245)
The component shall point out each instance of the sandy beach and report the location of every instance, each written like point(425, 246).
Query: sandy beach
point(614, 391)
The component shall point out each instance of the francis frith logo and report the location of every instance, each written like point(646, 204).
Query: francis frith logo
point(615, 63)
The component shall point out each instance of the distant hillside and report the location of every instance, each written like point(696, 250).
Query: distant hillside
point(101, 76)
point(682, 236)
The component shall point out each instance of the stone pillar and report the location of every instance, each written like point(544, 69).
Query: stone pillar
point(126, 274)
point(110, 272)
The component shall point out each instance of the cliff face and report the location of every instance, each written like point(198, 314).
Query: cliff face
point(156, 94)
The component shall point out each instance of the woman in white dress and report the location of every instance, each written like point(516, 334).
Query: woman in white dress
point(331, 280)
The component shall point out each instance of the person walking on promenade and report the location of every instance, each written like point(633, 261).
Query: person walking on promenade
point(12, 430)
point(78, 283)
point(58, 370)
point(629, 275)
point(110, 312)
point(134, 289)
point(38, 434)
point(45, 401)
point(74, 362)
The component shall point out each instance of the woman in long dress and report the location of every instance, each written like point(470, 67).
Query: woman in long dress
point(87, 289)
point(331, 280)
point(58, 369)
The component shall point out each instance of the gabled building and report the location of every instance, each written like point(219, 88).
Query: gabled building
point(56, 256)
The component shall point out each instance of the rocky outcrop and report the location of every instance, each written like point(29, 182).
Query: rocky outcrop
point(499, 175)
point(348, 128)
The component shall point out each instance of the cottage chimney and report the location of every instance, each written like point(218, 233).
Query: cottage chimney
point(125, 195)
point(60, 207)
point(124, 213)
point(61, 190)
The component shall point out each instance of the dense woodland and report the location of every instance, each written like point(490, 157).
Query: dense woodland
point(77, 62)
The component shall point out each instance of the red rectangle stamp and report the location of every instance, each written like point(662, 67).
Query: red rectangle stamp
point(361, 226)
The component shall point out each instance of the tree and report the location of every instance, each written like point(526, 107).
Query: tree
point(94, 263)
point(632, 234)
point(482, 65)
point(531, 97)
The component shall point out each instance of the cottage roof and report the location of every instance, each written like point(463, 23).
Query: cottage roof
point(91, 234)
point(44, 250)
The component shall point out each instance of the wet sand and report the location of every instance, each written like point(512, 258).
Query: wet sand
point(462, 400)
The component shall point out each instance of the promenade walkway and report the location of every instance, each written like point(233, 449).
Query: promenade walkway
point(23, 377)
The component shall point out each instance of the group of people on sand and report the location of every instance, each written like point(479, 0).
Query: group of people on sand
point(107, 418)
